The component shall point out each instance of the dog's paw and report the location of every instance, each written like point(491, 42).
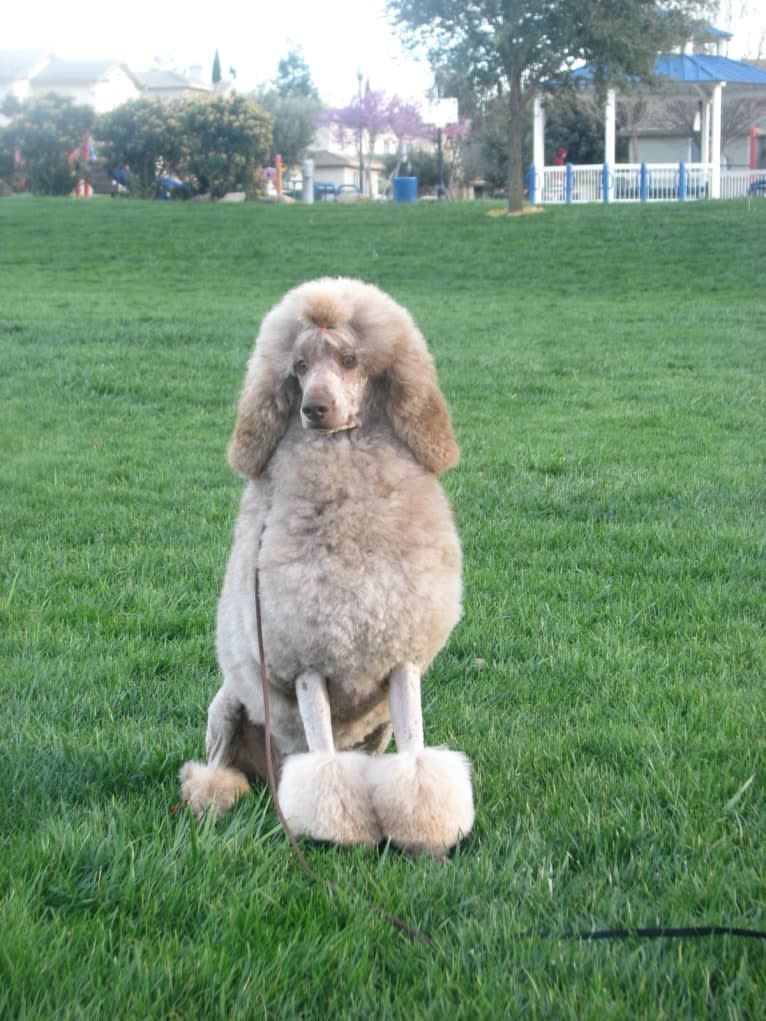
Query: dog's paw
point(324, 796)
point(206, 787)
point(423, 800)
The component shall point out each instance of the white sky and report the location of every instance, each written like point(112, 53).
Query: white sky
point(337, 38)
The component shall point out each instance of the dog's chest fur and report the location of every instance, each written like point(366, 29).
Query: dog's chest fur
point(345, 511)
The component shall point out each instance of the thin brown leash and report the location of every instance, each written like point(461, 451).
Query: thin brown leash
point(409, 930)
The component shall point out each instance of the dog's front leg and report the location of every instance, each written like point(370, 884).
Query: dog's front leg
point(422, 796)
point(405, 706)
point(323, 793)
point(314, 707)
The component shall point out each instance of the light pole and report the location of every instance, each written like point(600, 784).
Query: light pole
point(440, 157)
point(361, 131)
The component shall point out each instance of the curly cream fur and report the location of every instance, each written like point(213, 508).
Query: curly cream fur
point(355, 542)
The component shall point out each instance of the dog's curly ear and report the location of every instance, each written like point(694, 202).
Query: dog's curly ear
point(264, 408)
point(416, 406)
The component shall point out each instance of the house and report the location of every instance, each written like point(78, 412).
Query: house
point(102, 84)
point(17, 69)
point(335, 152)
point(172, 86)
point(342, 169)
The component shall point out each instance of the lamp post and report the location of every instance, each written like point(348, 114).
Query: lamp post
point(360, 135)
point(440, 156)
point(440, 113)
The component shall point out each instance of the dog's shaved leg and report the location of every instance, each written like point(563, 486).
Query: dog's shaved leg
point(324, 793)
point(421, 797)
point(314, 705)
point(406, 711)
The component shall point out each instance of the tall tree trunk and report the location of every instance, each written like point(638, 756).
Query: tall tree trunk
point(516, 134)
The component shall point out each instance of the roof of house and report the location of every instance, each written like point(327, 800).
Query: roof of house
point(19, 64)
point(157, 78)
point(78, 72)
point(325, 158)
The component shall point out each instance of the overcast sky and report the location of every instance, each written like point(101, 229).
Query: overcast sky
point(337, 38)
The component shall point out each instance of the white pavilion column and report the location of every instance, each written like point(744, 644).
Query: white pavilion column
point(715, 148)
point(705, 132)
point(610, 119)
point(538, 133)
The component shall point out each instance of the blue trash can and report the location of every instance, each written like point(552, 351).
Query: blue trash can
point(405, 189)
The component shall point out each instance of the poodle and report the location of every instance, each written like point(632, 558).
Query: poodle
point(341, 432)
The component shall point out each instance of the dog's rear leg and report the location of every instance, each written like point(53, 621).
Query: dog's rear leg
point(217, 785)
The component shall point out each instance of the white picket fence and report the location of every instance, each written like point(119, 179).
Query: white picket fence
point(639, 182)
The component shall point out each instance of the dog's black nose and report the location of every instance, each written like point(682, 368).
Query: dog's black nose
point(315, 411)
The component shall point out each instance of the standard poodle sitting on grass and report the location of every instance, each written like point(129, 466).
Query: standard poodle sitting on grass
point(342, 430)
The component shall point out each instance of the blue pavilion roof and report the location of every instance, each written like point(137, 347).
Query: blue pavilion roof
point(696, 67)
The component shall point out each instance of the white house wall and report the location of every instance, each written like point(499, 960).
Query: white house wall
point(660, 150)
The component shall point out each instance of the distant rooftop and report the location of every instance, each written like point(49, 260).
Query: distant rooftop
point(73, 72)
point(15, 64)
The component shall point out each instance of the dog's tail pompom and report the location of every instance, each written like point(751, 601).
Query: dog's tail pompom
point(208, 787)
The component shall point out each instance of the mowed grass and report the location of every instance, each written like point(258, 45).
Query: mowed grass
point(605, 370)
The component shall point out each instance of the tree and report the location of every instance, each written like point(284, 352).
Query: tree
point(294, 124)
point(405, 121)
point(294, 77)
point(217, 143)
point(365, 118)
point(226, 139)
point(215, 76)
point(45, 139)
point(293, 103)
point(574, 120)
point(509, 48)
point(147, 135)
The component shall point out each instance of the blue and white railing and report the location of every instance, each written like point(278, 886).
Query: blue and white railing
point(639, 182)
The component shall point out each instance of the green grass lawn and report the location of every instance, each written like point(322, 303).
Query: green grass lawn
point(606, 372)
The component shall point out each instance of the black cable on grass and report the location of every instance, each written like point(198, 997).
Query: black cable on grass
point(417, 935)
point(660, 932)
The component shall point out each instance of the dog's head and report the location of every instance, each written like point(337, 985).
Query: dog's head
point(320, 352)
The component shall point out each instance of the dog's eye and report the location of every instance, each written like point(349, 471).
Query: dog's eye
point(348, 361)
point(300, 367)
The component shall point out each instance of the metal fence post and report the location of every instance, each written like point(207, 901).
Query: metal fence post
point(532, 184)
point(569, 183)
point(605, 182)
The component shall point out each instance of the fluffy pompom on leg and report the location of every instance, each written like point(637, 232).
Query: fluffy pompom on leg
point(423, 800)
point(324, 796)
point(210, 787)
